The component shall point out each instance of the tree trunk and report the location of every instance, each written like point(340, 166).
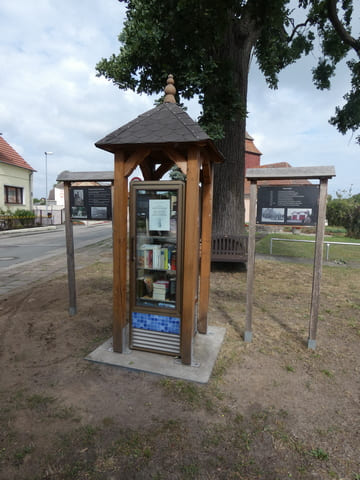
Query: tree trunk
point(229, 209)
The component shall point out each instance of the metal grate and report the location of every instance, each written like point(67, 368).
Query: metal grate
point(158, 341)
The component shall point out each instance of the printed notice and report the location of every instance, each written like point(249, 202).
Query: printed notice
point(159, 215)
point(292, 205)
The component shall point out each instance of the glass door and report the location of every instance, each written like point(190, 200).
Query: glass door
point(156, 262)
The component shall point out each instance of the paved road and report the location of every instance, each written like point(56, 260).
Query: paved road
point(48, 255)
point(16, 249)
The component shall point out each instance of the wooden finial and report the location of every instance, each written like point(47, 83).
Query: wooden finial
point(170, 90)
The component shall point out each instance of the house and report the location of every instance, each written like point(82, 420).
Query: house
point(16, 179)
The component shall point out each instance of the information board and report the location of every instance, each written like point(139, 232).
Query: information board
point(290, 205)
point(90, 203)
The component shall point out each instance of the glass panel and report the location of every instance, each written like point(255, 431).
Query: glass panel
point(13, 195)
point(156, 243)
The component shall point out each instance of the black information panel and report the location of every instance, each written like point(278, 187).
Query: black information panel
point(290, 205)
point(90, 203)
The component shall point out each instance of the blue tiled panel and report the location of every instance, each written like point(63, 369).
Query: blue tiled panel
point(159, 323)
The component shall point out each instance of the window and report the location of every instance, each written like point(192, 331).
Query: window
point(14, 195)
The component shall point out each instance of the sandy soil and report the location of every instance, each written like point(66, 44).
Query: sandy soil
point(272, 410)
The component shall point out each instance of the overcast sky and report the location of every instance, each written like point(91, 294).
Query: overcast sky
point(51, 99)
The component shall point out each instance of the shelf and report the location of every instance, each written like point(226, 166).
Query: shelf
point(157, 270)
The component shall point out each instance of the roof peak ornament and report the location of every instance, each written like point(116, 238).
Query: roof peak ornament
point(170, 90)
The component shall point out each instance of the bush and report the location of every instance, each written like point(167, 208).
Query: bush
point(345, 212)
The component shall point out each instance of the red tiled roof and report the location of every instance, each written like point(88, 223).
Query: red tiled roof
point(288, 181)
point(250, 146)
point(11, 157)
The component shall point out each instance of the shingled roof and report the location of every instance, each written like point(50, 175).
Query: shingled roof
point(166, 123)
point(11, 157)
point(163, 125)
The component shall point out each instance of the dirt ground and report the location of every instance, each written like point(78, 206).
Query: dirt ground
point(272, 410)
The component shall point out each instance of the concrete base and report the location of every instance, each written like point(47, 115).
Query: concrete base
point(206, 349)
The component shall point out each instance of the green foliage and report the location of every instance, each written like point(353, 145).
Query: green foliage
point(319, 453)
point(23, 213)
point(177, 174)
point(24, 217)
point(345, 211)
point(199, 43)
point(207, 46)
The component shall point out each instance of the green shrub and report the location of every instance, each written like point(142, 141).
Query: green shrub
point(345, 212)
point(26, 218)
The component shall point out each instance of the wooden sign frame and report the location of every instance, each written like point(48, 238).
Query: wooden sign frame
point(323, 174)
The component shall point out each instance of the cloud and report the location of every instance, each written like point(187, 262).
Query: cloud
point(52, 100)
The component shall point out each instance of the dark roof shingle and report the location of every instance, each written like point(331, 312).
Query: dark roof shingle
point(166, 123)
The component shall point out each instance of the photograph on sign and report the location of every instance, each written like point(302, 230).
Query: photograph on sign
point(78, 197)
point(99, 212)
point(273, 214)
point(78, 212)
point(287, 205)
point(295, 215)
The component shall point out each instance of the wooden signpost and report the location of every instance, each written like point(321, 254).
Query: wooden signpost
point(69, 178)
point(315, 173)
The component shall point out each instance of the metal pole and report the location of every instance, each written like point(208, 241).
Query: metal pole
point(46, 185)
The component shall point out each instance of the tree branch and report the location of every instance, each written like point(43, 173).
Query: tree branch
point(339, 27)
point(300, 25)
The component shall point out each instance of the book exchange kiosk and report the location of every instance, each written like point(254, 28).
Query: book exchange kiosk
point(168, 270)
point(163, 247)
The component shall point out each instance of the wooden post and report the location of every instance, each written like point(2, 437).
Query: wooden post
point(120, 203)
point(318, 258)
point(251, 262)
point(70, 256)
point(191, 251)
point(205, 265)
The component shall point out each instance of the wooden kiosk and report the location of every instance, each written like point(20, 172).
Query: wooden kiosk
point(155, 141)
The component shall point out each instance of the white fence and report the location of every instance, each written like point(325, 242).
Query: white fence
point(326, 243)
point(52, 215)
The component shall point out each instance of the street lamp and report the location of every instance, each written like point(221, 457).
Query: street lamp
point(46, 183)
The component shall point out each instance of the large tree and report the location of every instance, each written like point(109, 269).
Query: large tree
point(208, 44)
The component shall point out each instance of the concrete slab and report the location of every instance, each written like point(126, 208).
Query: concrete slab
point(206, 350)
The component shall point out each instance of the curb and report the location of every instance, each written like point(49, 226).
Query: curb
point(27, 231)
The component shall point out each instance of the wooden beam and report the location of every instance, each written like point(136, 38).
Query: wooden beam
point(163, 168)
point(70, 254)
point(318, 259)
point(135, 159)
point(205, 264)
point(177, 158)
point(147, 170)
point(120, 253)
point(191, 255)
point(273, 173)
point(251, 262)
point(207, 169)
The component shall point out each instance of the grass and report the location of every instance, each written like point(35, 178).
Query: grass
point(340, 253)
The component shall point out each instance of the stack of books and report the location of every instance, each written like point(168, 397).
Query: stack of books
point(160, 289)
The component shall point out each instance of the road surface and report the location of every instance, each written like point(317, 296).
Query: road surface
point(36, 246)
point(34, 258)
